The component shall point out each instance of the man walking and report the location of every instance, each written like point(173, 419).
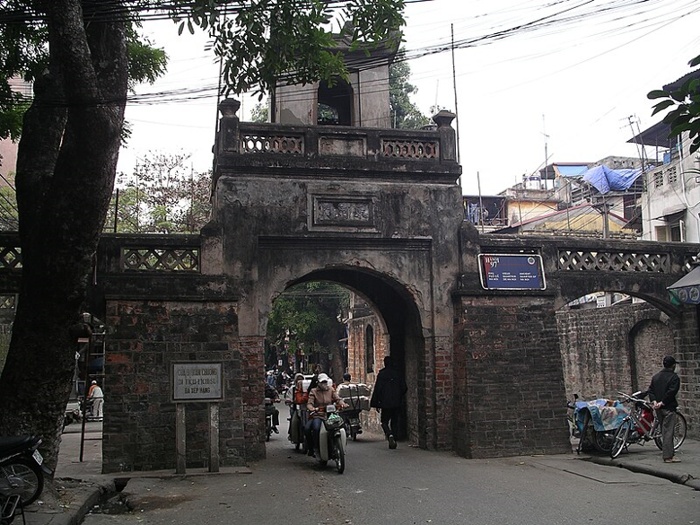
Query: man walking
point(662, 392)
point(96, 396)
point(387, 396)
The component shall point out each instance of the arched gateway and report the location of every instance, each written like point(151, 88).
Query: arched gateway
point(378, 211)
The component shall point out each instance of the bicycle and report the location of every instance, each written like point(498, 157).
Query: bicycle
point(642, 424)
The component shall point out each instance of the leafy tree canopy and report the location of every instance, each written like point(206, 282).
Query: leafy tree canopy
point(162, 195)
point(404, 113)
point(684, 105)
point(24, 54)
point(270, 40)
point(307, 317)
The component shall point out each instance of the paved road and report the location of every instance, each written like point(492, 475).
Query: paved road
point(409, 486)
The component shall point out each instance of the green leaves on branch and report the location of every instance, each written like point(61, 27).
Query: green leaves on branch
point(308, 317)
point(263, 42)
point(685, 103)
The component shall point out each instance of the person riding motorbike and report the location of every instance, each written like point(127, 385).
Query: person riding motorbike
point(272, 394)
point(319, 398)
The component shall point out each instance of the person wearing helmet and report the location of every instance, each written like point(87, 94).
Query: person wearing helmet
point(319, 398)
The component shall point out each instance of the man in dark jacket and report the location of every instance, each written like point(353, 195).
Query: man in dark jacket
point(387, 396)
point(662, 392)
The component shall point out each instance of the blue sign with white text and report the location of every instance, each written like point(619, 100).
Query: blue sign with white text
point(511, 272)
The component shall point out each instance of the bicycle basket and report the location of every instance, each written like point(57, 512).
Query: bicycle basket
point(333, 422)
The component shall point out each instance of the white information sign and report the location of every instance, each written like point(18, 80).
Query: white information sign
point(197, 381)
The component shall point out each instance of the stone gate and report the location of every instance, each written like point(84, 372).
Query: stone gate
point(379, 212)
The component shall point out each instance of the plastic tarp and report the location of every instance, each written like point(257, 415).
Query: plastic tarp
point(605, 180)
point(605, 414)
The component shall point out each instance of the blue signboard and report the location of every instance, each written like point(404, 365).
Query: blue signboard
point(511, 272)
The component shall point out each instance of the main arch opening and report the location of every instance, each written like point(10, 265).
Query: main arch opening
point(377, 317)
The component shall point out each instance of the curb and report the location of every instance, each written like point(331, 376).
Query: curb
point(675, 477)
point(85, 499)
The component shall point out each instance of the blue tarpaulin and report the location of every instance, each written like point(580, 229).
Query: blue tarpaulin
point(605, 180)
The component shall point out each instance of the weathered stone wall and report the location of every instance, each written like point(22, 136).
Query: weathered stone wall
point(614, 349)
point(509, 386)
point(145, 339)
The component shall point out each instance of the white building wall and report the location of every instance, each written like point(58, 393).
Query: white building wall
point(672, 199)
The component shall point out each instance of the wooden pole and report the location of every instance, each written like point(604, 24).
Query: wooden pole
point(213, 437)
point(180, 437)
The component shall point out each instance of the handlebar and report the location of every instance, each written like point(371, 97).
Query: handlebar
point(632, 399)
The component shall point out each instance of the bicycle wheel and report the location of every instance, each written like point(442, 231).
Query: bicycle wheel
point(23, 477)
point(679, 431)
point(620, 439)
point(339, 453)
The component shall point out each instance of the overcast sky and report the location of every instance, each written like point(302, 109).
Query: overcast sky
point(567, 77)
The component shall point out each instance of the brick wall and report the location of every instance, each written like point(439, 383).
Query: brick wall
point(607, 350)
point(509, 385)
point(145, 338)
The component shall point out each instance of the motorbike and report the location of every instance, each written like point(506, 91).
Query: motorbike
point(332, 439)
point(269, 410)
point(297, 422)
point(22, 468)
point(351, 419)
point(594, 423)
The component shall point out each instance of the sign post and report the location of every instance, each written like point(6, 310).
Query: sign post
point(197, 381)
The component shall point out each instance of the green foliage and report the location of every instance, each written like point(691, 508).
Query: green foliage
point(404, 113)
point(684, 105)
point(273, 40)
point(306, 318)
point(260, 112)
point(146, 62)
point(162, 195)
point(24, 54)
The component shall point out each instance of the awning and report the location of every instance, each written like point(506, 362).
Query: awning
point(686, 290)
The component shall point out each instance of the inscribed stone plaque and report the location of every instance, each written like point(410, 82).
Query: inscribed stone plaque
point(196, 381)
point(342, 211)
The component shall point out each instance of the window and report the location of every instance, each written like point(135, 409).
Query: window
point(369, 349)
point(672, 175)
point(658, 179)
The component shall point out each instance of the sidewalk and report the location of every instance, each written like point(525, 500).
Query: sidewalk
point(80, 485)
point(647, 459)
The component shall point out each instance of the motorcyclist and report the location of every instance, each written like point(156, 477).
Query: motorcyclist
point(271, 409)
point(320, 397)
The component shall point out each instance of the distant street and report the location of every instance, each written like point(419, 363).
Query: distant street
point(408, 486)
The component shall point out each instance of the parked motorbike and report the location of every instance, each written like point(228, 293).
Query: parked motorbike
point(22, 468)
point(594, 423)
point(332, 439)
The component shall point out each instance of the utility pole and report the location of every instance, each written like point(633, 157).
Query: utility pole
point(546, 155)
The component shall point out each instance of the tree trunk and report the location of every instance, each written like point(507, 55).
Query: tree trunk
point(65, 175)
